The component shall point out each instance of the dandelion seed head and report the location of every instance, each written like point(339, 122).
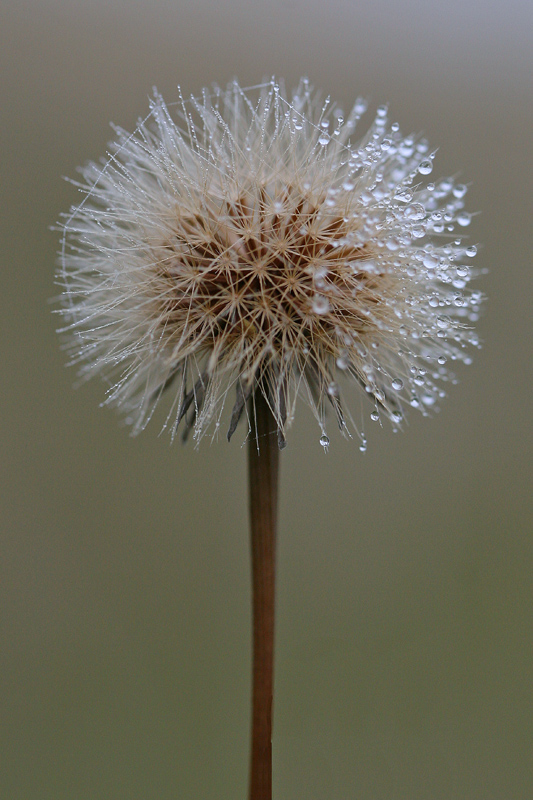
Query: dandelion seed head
point(250, 240)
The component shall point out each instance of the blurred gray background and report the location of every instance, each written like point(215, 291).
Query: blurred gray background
point(405, 592)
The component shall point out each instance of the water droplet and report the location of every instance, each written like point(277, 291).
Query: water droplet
point(404, 195)
point(342, 362)
point(320, 304)
point(324, 441)
point(333, 389)
point(471, 250)
point(425, 167)
point(415, 211)
point(368, 265)
point(430, 261)
point(348, 186)
point(464, 219)
point(443, 322)
point(460, 190)
point(406, 149)
point(397, 384)
point(441, 359)
point(323, 139)
point(374, 416)
point(434, 302)
point(396, 416)
point(463, 271)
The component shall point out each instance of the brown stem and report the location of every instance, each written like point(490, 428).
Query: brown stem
point(263, 463)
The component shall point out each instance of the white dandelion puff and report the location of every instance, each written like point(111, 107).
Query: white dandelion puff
point(249, 241)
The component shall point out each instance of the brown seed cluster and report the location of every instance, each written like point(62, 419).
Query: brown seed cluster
point(262, 282)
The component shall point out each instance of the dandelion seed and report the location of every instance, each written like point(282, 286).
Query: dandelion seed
point(232, 244)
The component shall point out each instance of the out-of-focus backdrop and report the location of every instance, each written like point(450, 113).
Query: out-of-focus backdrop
point(405, 592)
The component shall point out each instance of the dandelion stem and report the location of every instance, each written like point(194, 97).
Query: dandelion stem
point(263, 464)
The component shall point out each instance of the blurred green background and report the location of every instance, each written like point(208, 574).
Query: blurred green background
point(405, 592)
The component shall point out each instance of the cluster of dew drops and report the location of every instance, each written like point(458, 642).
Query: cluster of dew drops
point(400, 215)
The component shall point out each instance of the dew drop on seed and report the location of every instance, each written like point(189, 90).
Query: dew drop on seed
point(415, 211)
point(404, 195)
point(323, 139)
point(471, 250)
point(374, 416)
point(441, 359)
point(320, 304)
point(464, 219)
point(460, 190)
point(425, 167)
point(342, 362)
point(406, 150)
point(430, 261)
point(324, 441)
point(443, 322)
point(397, 384)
